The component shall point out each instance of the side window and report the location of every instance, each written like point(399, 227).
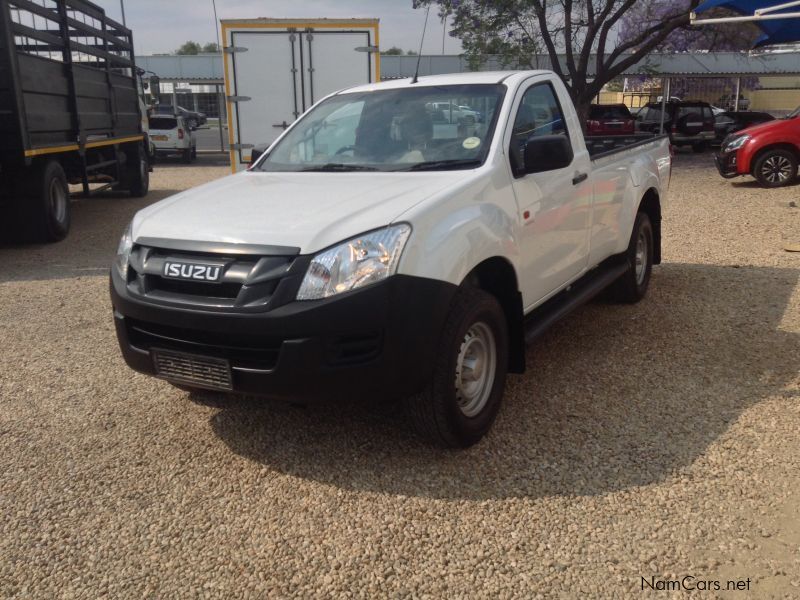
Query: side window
point(539, 113)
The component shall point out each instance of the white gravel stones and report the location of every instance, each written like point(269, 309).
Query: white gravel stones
point(657, 440)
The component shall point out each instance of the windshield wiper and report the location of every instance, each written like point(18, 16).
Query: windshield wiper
point(334, 167)
point(443, 165)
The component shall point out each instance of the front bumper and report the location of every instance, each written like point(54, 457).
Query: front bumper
point(727, 164)
point(381, 340)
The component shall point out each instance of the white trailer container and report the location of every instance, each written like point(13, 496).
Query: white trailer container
point(276, 69)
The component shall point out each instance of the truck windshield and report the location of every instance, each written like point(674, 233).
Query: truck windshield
point(408, 129)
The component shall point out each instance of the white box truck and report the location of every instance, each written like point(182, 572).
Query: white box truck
point(276, 69)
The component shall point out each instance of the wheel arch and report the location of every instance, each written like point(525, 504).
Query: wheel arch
point(497, 276)
point(650, 204)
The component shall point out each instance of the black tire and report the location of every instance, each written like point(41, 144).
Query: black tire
point(137, 173)
point(194, 152)
point(632, 286)
point(699, 147)
point(441, 412)
point(40, 210)
point(776, 168)
point(187, 156)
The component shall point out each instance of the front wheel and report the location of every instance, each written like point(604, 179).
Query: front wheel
point(187, 156)
point(632, 285)
point(776, 168)
point(459, 405)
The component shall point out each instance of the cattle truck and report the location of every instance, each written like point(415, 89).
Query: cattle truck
point(70, 113)
point(276, 69)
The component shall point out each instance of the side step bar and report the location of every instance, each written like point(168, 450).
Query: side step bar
point(581, 292)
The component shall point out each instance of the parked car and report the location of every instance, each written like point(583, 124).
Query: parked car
point(731, 122)
point(453, 113)
point(172, 136)
point(770, 152)
point(192, 118)
point(386, 257)
point(610, 119)
point(687, 123)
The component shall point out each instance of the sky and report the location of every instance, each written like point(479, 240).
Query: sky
point(161, 26)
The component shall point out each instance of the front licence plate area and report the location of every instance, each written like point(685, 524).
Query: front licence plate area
point(192, 369)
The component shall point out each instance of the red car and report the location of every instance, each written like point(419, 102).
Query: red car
point(610, 119)
point(770, 152)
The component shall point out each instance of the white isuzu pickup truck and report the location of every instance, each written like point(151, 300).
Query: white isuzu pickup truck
point(383, 247)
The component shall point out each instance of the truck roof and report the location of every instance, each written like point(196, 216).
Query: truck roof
point(478, 77)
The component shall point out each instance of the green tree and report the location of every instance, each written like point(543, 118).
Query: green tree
point(393, 51)
point(189, 48)
point(411, 52)
point(580, 38)
point(210, 48)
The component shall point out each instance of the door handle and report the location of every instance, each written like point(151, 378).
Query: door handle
point(580, 178)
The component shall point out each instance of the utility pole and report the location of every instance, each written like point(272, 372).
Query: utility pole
point(122, 6)
point(216, 23)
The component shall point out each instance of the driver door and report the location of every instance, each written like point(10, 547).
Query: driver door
point(554, 206)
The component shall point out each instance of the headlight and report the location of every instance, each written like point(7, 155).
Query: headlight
point(124, 252)
point(367, 259)
point(736, 143)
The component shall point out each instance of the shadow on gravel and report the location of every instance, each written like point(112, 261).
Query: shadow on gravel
point(97, 224)
point(615, 397)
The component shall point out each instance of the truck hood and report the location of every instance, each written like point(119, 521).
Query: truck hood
point(310, 211)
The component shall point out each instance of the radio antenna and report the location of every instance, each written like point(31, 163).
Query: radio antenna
point(421, 42)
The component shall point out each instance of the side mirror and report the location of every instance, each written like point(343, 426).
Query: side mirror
point(547, 153)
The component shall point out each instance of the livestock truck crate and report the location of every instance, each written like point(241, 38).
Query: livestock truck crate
point(71, 112)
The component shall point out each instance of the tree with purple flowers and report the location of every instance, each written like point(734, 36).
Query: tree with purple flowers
point(609, 35)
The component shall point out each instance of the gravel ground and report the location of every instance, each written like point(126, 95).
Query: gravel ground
point(657, 440)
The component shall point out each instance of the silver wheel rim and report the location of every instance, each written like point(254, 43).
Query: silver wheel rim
point(777, 169)
point(641, 258)
point(475, 369)
point(58, 201)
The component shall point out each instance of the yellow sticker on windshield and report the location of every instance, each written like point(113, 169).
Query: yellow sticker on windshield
point(471, 143)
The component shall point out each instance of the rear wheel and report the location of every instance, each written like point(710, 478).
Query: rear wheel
point(632, 285)
point(40, 209)
point(460, 403)
point(699, 147)
point(187, 156)
point(775, 168)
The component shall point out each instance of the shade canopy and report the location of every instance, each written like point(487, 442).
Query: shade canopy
point(776, 31)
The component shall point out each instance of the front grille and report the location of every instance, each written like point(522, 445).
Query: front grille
point(247, 282)
point(203, 371)
point(247, 351)
point(228, 291)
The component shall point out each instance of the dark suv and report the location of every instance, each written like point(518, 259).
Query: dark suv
point(687, 123)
